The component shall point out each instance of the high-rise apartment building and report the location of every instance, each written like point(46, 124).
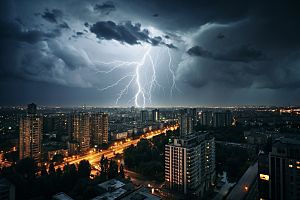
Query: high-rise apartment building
point(31, 108)
point(186, 124)
point(79, 129)
point(284, 169)
point(99, 128)
point(144, 115)
point(30, 135)
point(206, 118)
point(190, 164)
point(155, 115)
point(222, 119)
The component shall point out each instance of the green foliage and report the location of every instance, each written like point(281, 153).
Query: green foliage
point(5, 147)
point(84, 169)
point(27, 168)
point(13, 156)
point(232, 159)
point(58, 158)
point(147, 157)
point(113, 169)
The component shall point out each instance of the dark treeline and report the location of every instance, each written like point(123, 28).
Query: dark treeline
point(232, 159)
point(36, 183)
point(226, 133)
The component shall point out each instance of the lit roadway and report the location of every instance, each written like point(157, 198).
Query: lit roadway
point(118, 147)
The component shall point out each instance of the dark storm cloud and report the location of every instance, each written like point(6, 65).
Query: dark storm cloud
point(125, 33)
point(13, 31)
point(64, 25)
point(18, 19)
point(171, 46)
point(53, 15)
point(105, 8)
point(34, 54)
point(86, 24)
point(167, 37)
point(199, 51)
point(245, 53)
point(79, 33)
point(155, 15)
point(220, 36)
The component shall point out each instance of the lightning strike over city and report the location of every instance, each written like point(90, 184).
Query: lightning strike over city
point(142, 78)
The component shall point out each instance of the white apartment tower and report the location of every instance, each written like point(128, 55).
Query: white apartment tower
point(190, 164)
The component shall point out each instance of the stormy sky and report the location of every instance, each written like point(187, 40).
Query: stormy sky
point(149, 53)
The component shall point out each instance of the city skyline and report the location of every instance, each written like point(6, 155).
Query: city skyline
point(149, 53)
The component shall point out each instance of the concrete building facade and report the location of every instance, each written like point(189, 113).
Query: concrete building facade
point(190, 164)
point(31, 135)
point(99, 128)
point(79, 130)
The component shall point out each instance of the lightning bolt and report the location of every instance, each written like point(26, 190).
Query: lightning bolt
point(144, 91)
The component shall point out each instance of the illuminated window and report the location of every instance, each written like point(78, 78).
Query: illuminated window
point(298, 162)
point(290, 166)
point(264, 177)
point(207, 147)
point(189, 181)
point(298, 167)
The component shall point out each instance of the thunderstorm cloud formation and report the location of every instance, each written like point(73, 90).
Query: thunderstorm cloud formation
point(197, 53)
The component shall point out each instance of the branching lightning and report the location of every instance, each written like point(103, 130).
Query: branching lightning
point(145, 87)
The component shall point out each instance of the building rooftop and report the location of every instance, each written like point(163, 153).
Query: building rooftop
point(111, 195)
point(5, 184)
point(286, 141)
point(61, 196)
point(113, 183)
point(143, 193)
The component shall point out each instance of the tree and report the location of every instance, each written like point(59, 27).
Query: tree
point(44, 171)
point(27, 167)
point(58, 158)
point(121, 173)
point(113, 169)
point(84, 169)
point(58, 172)
point(51, 169)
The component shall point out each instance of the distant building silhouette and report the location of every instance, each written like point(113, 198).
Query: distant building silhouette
point(222, 118)
point(144, 115)
point(31, 108)
point(186, 124)
point(206, 118)
point(155, 115)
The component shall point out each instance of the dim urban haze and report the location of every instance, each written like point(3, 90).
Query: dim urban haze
point(149, 53)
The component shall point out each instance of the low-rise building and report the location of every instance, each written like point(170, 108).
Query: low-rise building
point(7, 190)
point(144, 193)
point(61, 196)
point(115, 188)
